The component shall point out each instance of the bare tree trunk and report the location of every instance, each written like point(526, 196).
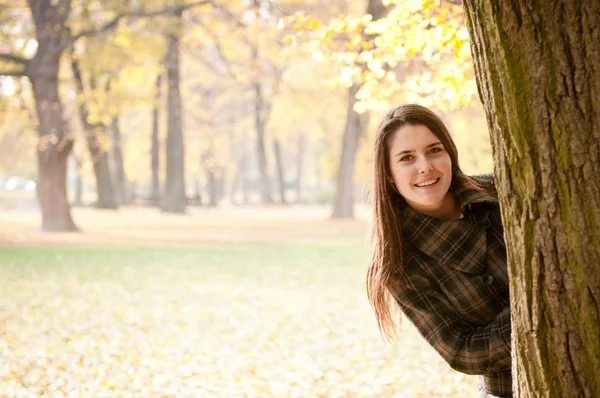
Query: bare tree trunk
point(104, 185)
point(280, 173)
point(221, 183)
point(78, 183)
point(155, 160)
point(212, 188)
point(343, 206)
point(54, 145)
point(209, 166)
point(300, 166)
point(174, 199)
point(118, 168)
point(344, 195)
point(537, 72)
point(265, 184)
point(95, 135)
point(259, 105)
point(240, 181)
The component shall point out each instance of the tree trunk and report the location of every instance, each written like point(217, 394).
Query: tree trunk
point(104, 186)
point(344, 195)
point(221, 183)
point(155, 160)
point(54, 145)
point(300, 166)
point(95, 135)
point(240, 180)
point(343, 206)
point(265, 184)
point(78, 183)
point(208, 162)
point(212, 188)
point(538, 78)
point(118, 168)
point(280, 174)
point(174, 195)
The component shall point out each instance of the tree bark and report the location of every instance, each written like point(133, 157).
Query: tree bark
point(155, 145)
point(174, 199)
point(280, 173)
point(54, 145)
point(343, 206)
point(119, 177)
point(95, 135)
point(537, 73)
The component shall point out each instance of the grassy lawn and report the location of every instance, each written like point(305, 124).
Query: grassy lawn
point(200, 318)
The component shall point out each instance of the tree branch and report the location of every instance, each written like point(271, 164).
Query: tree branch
point(220, 52)
point(14, 58)
point(137, 13)
point(233, 18)
point(13, 73)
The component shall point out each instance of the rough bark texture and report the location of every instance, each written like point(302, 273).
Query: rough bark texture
point(280, 172)
point(55, 145)
point(95, 134)
point(537, 68)
point(174, 195)
point(343, 206)
point(155, 145)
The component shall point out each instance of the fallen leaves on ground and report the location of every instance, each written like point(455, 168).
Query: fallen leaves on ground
point(251, 321)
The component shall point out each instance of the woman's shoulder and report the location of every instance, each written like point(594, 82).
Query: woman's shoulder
point(484, 179)
point(486, 182)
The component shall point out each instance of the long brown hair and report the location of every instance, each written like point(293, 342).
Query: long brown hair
point(385, 264)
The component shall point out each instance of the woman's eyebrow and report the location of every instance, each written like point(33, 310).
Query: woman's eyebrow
point(412, 150)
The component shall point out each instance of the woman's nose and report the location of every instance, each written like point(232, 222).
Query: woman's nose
point(424, 166)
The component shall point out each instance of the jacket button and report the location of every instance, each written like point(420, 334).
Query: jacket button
point(487, 223)
point(487, 279)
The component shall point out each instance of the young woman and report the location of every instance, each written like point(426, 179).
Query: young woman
point(438, 251)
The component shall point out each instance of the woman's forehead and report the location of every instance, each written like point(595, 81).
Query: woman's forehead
point(413, 137)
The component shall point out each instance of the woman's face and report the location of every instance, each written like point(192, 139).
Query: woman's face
point(421, 167)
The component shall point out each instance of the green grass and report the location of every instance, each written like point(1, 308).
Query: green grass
point(302, 262)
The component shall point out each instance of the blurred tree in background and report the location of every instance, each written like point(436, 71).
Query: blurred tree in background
point(172, 103)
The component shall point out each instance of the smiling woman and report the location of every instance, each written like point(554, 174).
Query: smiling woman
point(438, 251)
point(422, 171)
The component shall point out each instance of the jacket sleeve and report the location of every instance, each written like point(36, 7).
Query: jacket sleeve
point(467, 348)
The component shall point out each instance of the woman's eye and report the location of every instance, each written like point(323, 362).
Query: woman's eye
point(406, 158)
point(436, 150)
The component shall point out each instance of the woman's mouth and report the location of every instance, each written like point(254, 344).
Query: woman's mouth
point(427, 183)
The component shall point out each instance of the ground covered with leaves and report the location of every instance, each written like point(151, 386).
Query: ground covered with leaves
point(204, 320)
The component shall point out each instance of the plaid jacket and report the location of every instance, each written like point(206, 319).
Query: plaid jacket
point(454, 287)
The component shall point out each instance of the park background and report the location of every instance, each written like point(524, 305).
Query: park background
point(218, 190)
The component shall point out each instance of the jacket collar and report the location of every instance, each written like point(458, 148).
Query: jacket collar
point(459, 244)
